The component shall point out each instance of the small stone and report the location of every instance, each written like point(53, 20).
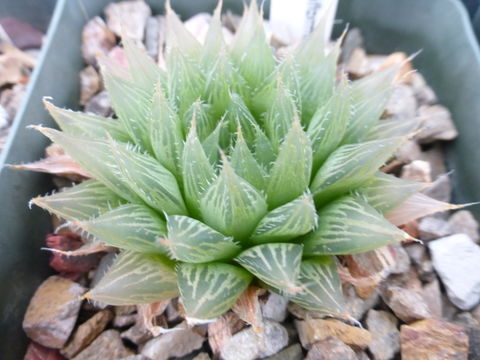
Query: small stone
point(407, 304)
point(222, 329)
point(433, 297)
point(372, 267)
point(87, 332)
point(117, 54)
point(11, 70)
point(456, 259)
point(424, 93)
point(11, 100)
point(275, 308)
point(23, 35)
point(416, 252)
point(404, 67)
point(417, 170)
point(90, 84)
point(173, 344)
point(152, 32)
point(448, 309)
point(358, 63)
point(122, 321)
point(402, 103)
point(125, 310)
point(352, 40)
point(356, 306)
point(433, 340)
point(172, 311)
point(438, 124)
point(96, 39)
point(129, 16)
point(330, 349)
point(435, 155)
point(53, 311)
point(4, 123)
point(432, 228)
point(293, 352)
point(107, 346)
point(385, 335)
point(440, 189)
point(402, 260)
point(313, 330)
point(38, 352)
point(249, 345)
point(403, 294)
point(137, 334)
point(472, 328)
point(137, 357)
point(408, 152)
point(99, 104)
point(476, 313)
point(202, 356)
point(462, 221)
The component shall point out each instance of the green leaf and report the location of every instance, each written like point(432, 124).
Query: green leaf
point(131, 227)
point(264, 152)
point(286, 73)
point(149, 180)
point(132, 104)
point(250, 49)
point(82, 124)
point(98, 160)
point(191, 241)
point(166, 133)
point(369, 96)
point(393, 127)
point(238, 114)
point(209, 290)
point(245, 165)
point(286, 222)
point(290, 174)
point(349, 226)
point(281, 115)
point(316, 72)
point(185, 80)
point(205, 123)
point(221, 80)
point(214, 40)
point(178, 36)
point(349, 167)
point(197, 171)
point(327, 127)
point(136, 279)
point(141, 66)
point(385, 192)
point(277, 265)
point(211, 144)
point(320, 288)
point(81, 202)
point(231, 205)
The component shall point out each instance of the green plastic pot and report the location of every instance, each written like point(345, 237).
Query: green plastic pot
point(450, 61)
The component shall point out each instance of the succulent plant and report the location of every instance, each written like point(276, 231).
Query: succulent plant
point(231, 165)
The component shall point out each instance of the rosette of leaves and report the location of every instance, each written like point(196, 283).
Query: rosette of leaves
point(229, 166)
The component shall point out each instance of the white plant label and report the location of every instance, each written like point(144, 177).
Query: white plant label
point(291, 20)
